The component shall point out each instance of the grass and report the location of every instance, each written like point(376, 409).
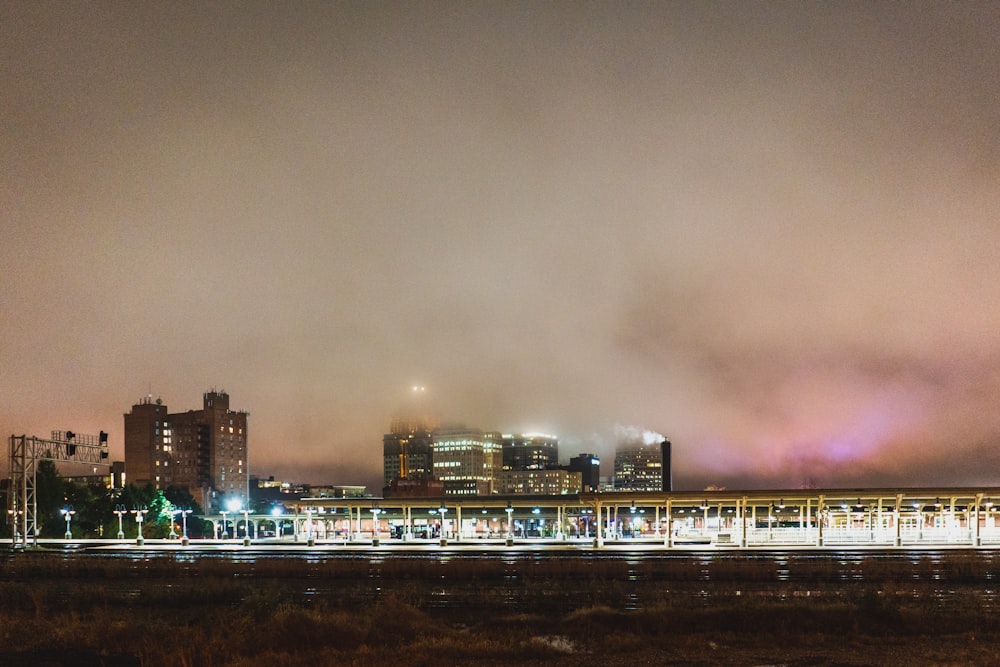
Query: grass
point(486, 611)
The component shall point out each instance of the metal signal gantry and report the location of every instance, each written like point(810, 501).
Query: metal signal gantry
point(25, 453)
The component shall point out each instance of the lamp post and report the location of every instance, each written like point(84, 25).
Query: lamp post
point(510, 526)
point(276, 513)
point(246, 527)
point(310, 538)
point(222, 533)
point(120, 511)
point(444, 540)
point(140, 514)
point(68, 513)
point(13, 519)
point(184, 522)
point(376, 510)
point(173, 533)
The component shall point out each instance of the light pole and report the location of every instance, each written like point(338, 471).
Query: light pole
point(120, 511)
point(310, 539)
point(68, 513)
point(13, 518)
point(276, 513)
point(140, 514)
point(173, 533)
point(184, 522)
point(376, 510)
point(510, 525)
point(444, 540)
point(223, 534)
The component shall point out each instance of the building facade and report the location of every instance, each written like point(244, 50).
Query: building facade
point(466, 460)
point(589, 467)
point(204, 451)
point(641, 466)
point(406, 450)
point(530, 451)
point(534, 482)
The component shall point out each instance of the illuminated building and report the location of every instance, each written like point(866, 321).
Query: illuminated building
point(589, 467)
point(204, 451)
point(530, 451)
point(466, 460)
point(535, 482)
point(642, 466)
point(406, 450)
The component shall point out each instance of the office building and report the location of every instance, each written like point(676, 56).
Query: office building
point(589, 467)
point(204, 451)
point(530, 451)
point(535, 482)
point(642, 466)
point(465, 460)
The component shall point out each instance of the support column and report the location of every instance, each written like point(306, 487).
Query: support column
point(808, 518)
point(560, 518)
point(741, 516)
point(458, 520)
point(977, 539)
point(669, 541)
point(820, 517)
point(898, 520)
point(599, 525)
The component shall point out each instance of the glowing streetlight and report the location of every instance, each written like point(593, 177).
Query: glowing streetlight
point(376, 510)
point(68, 513)
point(120, 511)
point(276, 512)
point(140, 515)
point(184, 521)
point(14, 519)
point(173, 533)
point(444, 540)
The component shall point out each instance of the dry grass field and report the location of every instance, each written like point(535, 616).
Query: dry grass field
point(277, 612)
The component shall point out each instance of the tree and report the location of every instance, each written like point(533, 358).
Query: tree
point(50, 497)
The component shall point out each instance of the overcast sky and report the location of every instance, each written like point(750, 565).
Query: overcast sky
point(768, 231)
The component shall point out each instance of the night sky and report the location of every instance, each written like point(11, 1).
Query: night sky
point(768, 231)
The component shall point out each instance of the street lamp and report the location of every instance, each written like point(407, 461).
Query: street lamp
point(140, 514)
point(310, 538)
point(222, 533)
point(68, 513)
point(443, 510)
point(510, 534)
point(276, 512)
point(184, 521)
point(173, 533)
point(120, 511)
point(13, 518)
point(236, 505)
point(376, 510)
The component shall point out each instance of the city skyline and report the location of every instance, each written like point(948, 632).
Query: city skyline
point(767, 232)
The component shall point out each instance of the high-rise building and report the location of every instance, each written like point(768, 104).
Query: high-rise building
point(639, 466)
point(535, 482)
point(530, 451)
point(466, 460)
point(204, 451)
point(406, 450)
point(589, 467)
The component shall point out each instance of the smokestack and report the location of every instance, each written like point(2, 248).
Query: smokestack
point(668, 478)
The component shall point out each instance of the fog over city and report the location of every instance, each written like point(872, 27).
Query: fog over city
point(768, 232)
